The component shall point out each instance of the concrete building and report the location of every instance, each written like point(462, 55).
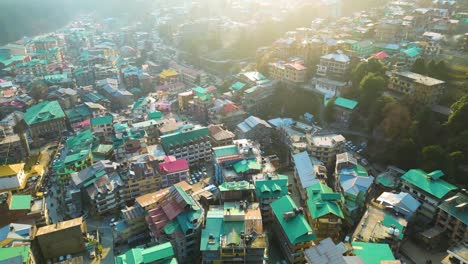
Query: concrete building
point(268, 188)
point(142, 178)
point(220, 136)
point(333, 66)
point(15, 208)
point(353, 181)
point(325, 213)
point(159, 254)
point(401, 203)
point(177, 218)
point(304, 173)
point(255, 129)
point(292, 229)
point(325, 148)
point(193, 145)
point(51, 238)
point(173, 171)
point(428, 188)
point(453, 217)
point(233, 232)
point(45, 120)
point(12, 177)
point(425, 89)
point(12, 150)
point(294, 71)
point(327, 252)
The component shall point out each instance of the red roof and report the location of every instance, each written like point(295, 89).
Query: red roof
point(230, 108)
point(170, 165)
point(380, 55)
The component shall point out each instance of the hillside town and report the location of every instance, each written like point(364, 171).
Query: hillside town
point(341, 141)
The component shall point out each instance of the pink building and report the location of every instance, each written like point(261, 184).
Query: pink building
point(173, 170)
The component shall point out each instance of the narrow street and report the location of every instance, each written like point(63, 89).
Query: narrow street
point(107, 240)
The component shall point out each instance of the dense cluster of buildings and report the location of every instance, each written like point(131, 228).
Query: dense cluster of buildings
point(105, 129)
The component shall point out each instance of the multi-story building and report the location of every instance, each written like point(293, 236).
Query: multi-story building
point(17, 208)
point(292, 229)
point(12, 149)
point(76, 156)
point(45, 120)
point(220, 136)
point(269, 187)
point(143, 177)
point(363, 48)
point(256, 129)
point(12, 177)
point(333, 66)
point(84, 76)
point(425, 89)
point(129, 142)
point(142, 107)
point(193, 145)
point(190, 77)
point(389, 30)
point(102, 127)
point(428, 188)
point(325, 148)
point(168, 76)
point(234, 233)
point(294, 71)
point(159, 254)
point(304, 173)
point(353, 181)
point(51, 238)
point(173, 171)
point(453, 218)
point(99, 186)
point(325, 211)
point(183, 99)
point(151, 128)
point(177, 218)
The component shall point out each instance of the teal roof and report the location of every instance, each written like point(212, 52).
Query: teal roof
point(205, 97)
point(156, 115)
point(101, 120)
point(297, 229)
point(182, 137)
point(158, 252)
point(55, 77)
point(43, 112)
point(430, 183)
point(83, 154)
point(213, 227)
point(20, 202)
point(237, 86)
point(322, 201)
point(412, 52)
point(390, 220)
point(12, 59)
point(11, 252)
point(147, 255)
point(235, 186)
point(225, 151)
point(457, 207)
point(199, 90)
point(346, 103)
point(78, 112)
point(272, 188)
point(246, 165)
point(81, 140)
point(372, 253)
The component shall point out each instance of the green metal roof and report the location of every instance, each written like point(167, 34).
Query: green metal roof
point(432, 185)
point(237, 86)
point(132, 256)
point(232, 230)
point(412, 52)
point(11, 252)
point(199, 90)
point(372, 253)
point(460, 212)
point(42, 112)
point(158, 252)
point(390, 220)
point(213, 227)
point(322, 201)
point(225, 151)
point(297, 229)
point(101, 120)
point(235, 186)
point(178, 138)
point(246, 165)
point(346, 103)
point(272, 188)
point(20, 202)
point(80, 141)
point(156, 115)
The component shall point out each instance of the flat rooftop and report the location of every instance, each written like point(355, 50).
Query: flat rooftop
point(59, 226)
point(419, 78)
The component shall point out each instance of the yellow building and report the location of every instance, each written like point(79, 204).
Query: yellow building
point(168, 76)
point(425, 89)
point(12, 177)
